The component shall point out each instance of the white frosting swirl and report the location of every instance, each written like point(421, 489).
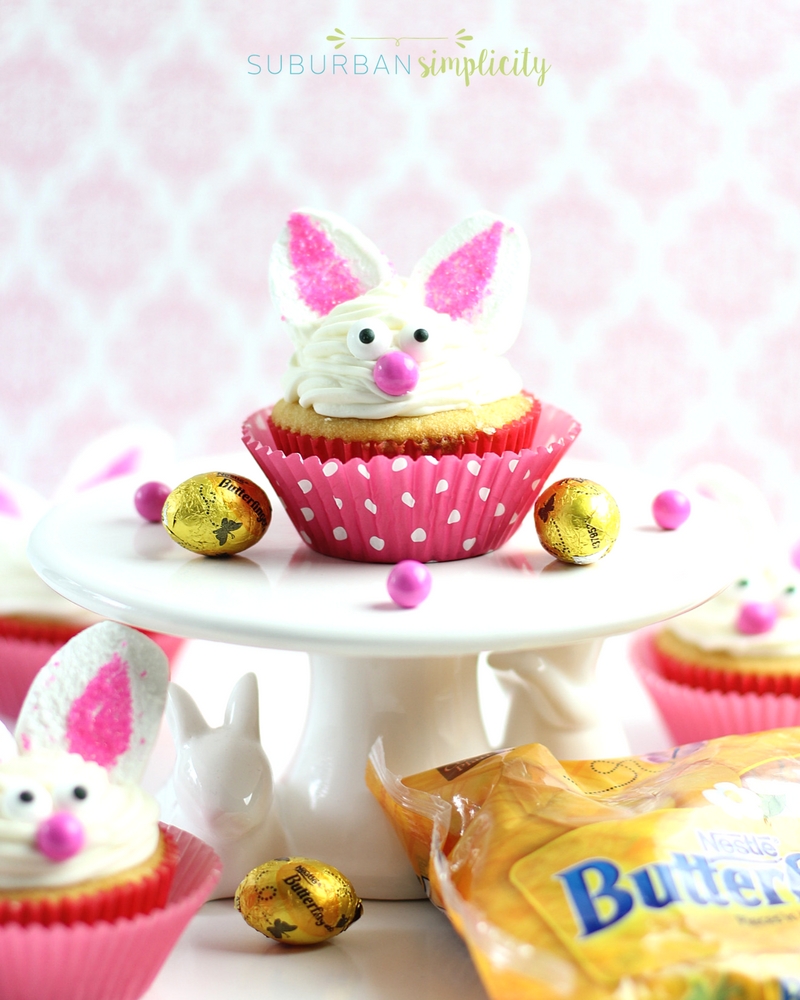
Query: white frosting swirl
point(323, 374)
point(120, 821)
point(712, 626)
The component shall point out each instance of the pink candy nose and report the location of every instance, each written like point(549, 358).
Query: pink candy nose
point(60, 836)
point(756, 617)
point(396, 373)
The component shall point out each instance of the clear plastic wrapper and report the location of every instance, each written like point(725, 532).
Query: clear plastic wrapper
point(674, 876)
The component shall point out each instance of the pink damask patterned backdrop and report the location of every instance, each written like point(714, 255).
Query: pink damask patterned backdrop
point(144, 174)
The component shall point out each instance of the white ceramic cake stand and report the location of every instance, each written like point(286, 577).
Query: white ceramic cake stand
point(408, 676)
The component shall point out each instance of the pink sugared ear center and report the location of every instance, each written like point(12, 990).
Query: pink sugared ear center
point(458, 285)
point(8, 505)
point(323, 277)
point(126, 463)
point(100, 721)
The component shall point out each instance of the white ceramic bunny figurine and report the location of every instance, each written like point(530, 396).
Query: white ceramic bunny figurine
point(221, 787)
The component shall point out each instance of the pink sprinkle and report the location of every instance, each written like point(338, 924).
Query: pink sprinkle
point(8, 505)
point(459, 283)
point(100, 721)
point(25, 740)
point(322, 276)
point(126, 463)
point(143, 673)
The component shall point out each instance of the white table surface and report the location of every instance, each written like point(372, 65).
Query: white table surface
point(398, 949)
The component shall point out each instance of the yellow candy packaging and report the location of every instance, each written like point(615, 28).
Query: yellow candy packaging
point(674, 876)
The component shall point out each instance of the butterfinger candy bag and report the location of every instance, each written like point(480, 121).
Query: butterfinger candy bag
point(674, 876)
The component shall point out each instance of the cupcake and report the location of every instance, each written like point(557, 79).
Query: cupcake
point(732, 665)
point(35, 621)
point(79, 839)
point(94, 893)
point(403, 431)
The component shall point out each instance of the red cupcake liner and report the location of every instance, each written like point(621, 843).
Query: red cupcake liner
point(107, 961)
point(25, 647)
point(697, 675)
point(696, 713)
point(148, 893)
point(388, 509)
point(514, 436)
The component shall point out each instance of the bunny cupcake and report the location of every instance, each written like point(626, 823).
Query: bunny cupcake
point(732, 665)
point(35, 621)
point(745, 639)
point(89, 906)
point(403, 431)
point(79, 839)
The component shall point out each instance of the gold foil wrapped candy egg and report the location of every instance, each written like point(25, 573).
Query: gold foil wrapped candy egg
point(577, 521)
point(297, 901)
point(217, 513)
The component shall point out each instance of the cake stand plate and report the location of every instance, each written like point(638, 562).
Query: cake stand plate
point(408, 676)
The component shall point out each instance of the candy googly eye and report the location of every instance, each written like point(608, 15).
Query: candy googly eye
point(79, 793)
point(419, 341)
point(368, 339)
point(789, 600)
point(27, 801)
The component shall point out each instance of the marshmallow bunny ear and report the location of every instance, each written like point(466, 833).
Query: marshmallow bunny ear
point(478, 271)
point(8, 745)
point(101, 696)
point(19, 502)
point(319, 261)
point(147, 451)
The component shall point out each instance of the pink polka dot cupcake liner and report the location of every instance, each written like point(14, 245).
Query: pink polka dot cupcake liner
point(107, 961)
point(693, 713)
point(387, 509)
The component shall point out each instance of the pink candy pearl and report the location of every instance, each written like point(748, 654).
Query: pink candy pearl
point(756, 617)
point(149, 500)
point(396, 373)
point(670, 509)
point(60, 836)
point(409, 583)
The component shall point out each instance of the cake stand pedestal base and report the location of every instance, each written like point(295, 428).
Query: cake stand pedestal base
point(427, 712)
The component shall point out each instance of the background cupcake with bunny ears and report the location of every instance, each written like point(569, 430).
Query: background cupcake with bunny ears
point(404, 432)
point(732, 665)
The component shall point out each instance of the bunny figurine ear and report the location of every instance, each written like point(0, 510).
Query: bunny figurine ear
point(319, 261)
point(478, 271)
point(101, 696)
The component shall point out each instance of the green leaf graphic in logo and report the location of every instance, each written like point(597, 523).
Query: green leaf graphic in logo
point(461, 38)
point(226, 528)
point(723, 989)
point(279, 928)
point(773, 805)
point(339, 37)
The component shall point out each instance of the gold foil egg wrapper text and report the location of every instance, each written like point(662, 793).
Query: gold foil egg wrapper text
point(577, 521)
point(217, 513)
point(297, 901)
